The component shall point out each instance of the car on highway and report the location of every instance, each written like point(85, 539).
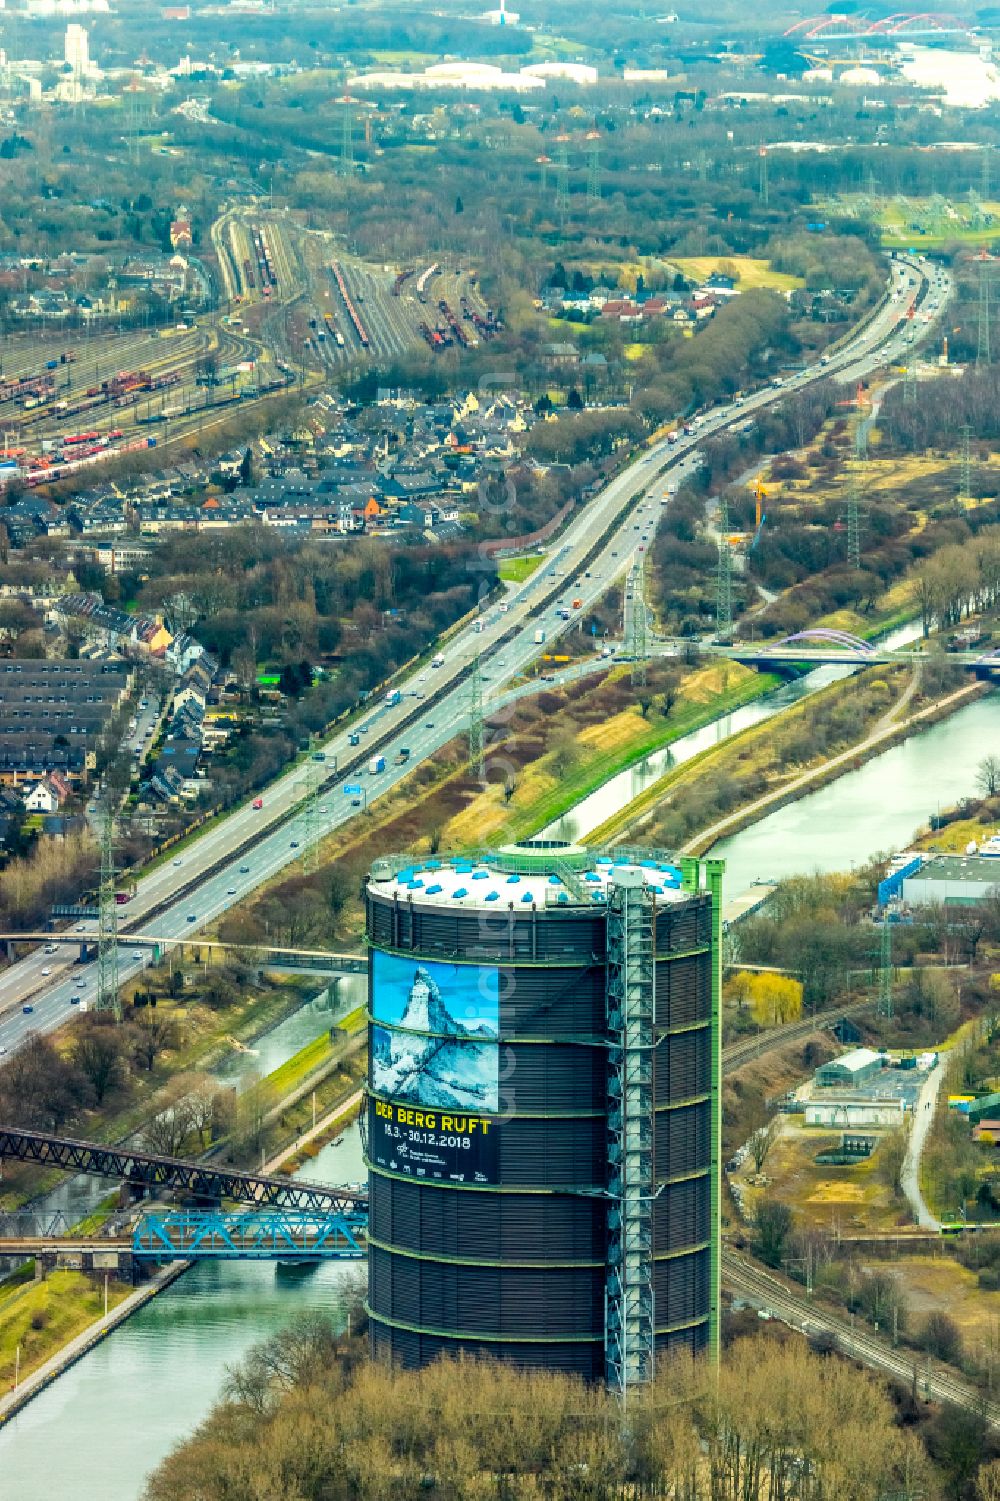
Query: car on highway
point(50, 948)
point(355, 802)
point(231, 891)
point(46, 970)
point(429, 725)
point(294, 844)
point(28, 1010)
point(244, 870)
point(177, 862)
point(192, 917)
point(74, 1000)
point(137, 954)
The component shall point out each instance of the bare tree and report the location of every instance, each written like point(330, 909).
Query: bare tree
point(762, 1141)
point(988, 775)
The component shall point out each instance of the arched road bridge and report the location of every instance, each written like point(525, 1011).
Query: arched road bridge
point(822, 647)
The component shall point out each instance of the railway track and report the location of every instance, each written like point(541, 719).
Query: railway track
point(767, 1291)
point(746, 1050)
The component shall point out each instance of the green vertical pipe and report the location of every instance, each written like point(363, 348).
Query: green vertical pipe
point(713, 879)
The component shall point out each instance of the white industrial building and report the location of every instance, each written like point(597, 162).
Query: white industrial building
point(956, 880)
point(843, 1114)
point(571, 72)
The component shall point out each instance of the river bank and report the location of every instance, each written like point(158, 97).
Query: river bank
point(819, 776)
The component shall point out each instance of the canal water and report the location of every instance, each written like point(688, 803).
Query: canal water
point(873, 810)
point(97, 1432)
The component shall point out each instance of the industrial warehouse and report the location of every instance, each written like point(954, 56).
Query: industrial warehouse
point(543, 1118)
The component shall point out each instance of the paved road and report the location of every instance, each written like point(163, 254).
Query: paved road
point(909, 1178)
point(582, 567)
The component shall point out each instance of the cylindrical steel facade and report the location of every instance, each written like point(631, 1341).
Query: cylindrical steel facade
point(488, 1233)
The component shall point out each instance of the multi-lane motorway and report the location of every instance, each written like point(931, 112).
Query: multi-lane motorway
point(238, 853)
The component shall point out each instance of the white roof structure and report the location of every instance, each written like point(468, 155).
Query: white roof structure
point(492, 882)
point(574, 72)
point(452, 75)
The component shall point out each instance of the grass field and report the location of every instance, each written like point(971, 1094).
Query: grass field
point(825, 1197)
point(617, 741)
point(935, 1284)
point(41, 1317)
point(516, 570)
point(750, 272)
point(919, 223)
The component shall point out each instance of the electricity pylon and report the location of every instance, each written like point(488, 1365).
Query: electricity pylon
point(885, 1003)
point(309, 787)
point(638, 644)
point(594, 165)
point(724, 578)
point(983, 345)
point(107, 922)
point(853, 522)
point(347, 139)
point(965, 491)
point(477, 748)
point(562, 179)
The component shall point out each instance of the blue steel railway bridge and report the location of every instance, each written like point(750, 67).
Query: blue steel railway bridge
point(238, 1215)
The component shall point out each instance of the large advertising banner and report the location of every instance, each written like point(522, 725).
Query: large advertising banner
point(444, 1145)
point(436, 1033)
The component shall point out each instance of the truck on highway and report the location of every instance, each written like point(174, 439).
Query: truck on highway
point(404, 755)
point(539, 637)
point(258, 803)
point(393, 698)
point(376, 764)
point(437, 661)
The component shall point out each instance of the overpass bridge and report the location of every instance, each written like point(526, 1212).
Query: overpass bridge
point(266, 955)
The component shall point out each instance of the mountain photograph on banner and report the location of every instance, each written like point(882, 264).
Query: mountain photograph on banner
point(435, 1036)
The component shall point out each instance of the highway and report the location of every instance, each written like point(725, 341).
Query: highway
point(241, 851)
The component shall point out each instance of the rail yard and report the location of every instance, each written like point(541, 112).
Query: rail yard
point(292, 308)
